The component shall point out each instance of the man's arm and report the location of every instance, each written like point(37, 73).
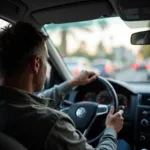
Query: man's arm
point(58, 92)
point(65, 136)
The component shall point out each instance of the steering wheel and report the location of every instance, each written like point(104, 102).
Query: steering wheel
point(85, 113)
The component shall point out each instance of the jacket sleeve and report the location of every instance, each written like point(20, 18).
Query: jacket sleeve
point(64, 136)
point(56, 93)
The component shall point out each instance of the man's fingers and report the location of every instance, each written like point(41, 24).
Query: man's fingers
point(111, 112)
point(86, 77)
point(92, 74)
point(92, 78)
point(121, 112)
point(89, 73)
point(122, 118)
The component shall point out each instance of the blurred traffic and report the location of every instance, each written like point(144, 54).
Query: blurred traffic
point(103, 67)
point(77, 64)
point(144, 66)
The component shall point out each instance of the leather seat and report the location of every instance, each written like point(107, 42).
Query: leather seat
point(8, 143)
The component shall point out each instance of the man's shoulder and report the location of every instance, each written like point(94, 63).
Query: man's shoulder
point(51, 113)
point(50, 119)
point(50, 116)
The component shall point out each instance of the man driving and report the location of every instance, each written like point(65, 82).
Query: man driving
point(30, 119)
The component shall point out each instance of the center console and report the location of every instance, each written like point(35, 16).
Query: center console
point(143, 122)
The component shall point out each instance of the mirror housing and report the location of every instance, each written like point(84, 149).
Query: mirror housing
point(141, 38)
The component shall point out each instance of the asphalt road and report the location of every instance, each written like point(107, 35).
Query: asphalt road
point(131, 75)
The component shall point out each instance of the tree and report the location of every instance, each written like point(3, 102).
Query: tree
point(63, 46)
point(102, 23)
point(145, 51)
point(66, 29)
point(110, 56)
point(101, 50)
point(65, 33)
point(81, 51)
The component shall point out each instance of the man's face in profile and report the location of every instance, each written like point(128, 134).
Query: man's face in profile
point(41, 76)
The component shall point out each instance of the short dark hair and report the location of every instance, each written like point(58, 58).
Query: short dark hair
point(18, 44)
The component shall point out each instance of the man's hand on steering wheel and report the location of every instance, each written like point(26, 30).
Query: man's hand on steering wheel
point(83, 78)
point(85, 113)
point(114, 121)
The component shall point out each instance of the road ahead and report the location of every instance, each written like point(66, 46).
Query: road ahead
point(131, 75)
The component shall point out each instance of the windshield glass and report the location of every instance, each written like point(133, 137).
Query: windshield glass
point(102, 46)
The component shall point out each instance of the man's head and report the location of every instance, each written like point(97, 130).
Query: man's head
point(23, 56)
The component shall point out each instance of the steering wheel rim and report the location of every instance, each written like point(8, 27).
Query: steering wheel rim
point(97, 109)
point(111, 91)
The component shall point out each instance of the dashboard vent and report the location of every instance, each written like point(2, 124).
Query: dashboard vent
point(145, 99)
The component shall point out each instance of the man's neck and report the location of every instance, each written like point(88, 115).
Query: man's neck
point(19, 84)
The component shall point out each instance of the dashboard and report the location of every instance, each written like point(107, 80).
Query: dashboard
point(134, 96)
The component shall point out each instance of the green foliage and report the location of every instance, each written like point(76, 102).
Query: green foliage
point(110, 56)
point(145, 51)
point(102, 23)
point(124, 59)
point(82, 53)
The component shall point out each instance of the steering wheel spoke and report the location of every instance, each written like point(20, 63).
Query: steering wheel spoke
point(65, 110)
point(102, 110)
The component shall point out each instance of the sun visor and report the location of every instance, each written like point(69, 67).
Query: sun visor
point(73, 12)
point(132, 10)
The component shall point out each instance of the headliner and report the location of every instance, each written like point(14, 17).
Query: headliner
point(40, 12)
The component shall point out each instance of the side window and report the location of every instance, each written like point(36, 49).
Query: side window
point(47, 81)
point(3, 23)
point(48, 70)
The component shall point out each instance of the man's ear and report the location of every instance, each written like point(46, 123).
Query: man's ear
point(36, 64)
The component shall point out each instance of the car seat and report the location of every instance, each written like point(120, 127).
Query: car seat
point(8, 143)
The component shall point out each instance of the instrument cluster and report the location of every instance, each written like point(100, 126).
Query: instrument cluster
point(103, 97)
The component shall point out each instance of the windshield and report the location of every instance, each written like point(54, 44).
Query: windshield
point(71, 64)
point(102, 46)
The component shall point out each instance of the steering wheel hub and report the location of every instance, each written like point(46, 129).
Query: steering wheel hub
point(81, 112)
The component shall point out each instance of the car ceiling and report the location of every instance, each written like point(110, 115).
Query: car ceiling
point(40, 12)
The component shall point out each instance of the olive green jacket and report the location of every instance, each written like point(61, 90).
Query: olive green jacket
point(33, 122)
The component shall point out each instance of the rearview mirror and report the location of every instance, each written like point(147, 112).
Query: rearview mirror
point(140, 38)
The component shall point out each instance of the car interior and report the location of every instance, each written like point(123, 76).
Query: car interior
point(134, 96)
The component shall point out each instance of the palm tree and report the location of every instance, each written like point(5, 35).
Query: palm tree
point(66, 29)
point(103, 24)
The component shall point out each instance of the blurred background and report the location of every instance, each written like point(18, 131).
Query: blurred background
point(103, 46)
